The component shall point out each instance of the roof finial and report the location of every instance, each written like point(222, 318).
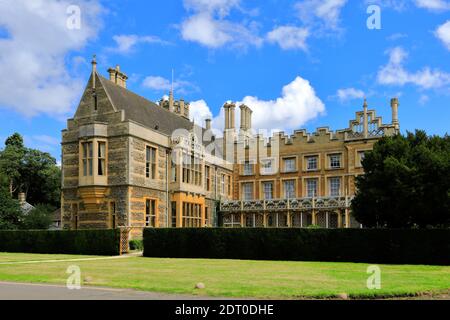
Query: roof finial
point(171, 100)
point(94, 69)
point(365, 103)
point(171, 89)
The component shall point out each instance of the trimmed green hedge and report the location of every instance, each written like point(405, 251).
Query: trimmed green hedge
point(86, 242)
point(136, 244)
point(387, 246)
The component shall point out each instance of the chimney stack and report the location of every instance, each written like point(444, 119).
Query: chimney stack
point(394, 105)
point(118, 77)
point(229, 108)
point(208, 124)
point(366, 120)
point(246, 117)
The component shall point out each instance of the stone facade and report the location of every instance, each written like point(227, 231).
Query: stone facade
point(109, 179)
point(128, 162)
point(311, 180)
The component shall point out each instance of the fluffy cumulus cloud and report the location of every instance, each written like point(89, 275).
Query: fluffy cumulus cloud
point(436, 5)
point(400, 5)
point(289, 37)
point(209, 25)
point(159, 83)
point(443, 34)
point(38, 36)
point(348, 94)
point(199, 112)
point(297, 105)
point(325, 13)
point(394, 73)
point(126, 43)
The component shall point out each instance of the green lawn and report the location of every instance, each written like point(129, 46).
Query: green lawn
point(231, 278)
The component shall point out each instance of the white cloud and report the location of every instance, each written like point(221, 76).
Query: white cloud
point(297, 105)
point(323, 12)
point(397, 36)
point(424, 99)
point(397, 5)
point(222, 7)
point(199, 112)
point(209, 26)
point(443, 33)
point(126, 43)
point(32, 56)
point(289, 37)
point(162, 84)
point(349, 94)
point(435, 5)
point(394, 73)
point(401, 5)
point(42, 142)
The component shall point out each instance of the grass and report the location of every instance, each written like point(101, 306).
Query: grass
point(231, 278)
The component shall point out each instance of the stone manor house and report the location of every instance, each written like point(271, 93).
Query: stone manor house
point(130, 162)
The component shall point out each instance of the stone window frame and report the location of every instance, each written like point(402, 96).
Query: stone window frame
point(329, 183)
point(357, 157)
point(95, 178)
point(156, 215)
point(241, 190)
point(305, 161)
point(262, 191)
point(251, 164)
point(283, 190)
point(151, 172)
point(273, 164)
point(207, 177)
point(305, 186)
point(295, 158)
point(329, 160)
point(191, 209)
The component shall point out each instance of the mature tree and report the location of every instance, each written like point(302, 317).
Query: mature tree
point(406, 183)
point(40, 178)
point(31, 171)
point(39, 218)
point(11, 159)
point(10, 213)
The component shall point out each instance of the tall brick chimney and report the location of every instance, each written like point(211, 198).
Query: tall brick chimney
point(118, 77)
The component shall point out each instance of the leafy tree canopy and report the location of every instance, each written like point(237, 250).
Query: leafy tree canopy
point(31, 171)
point(40, 218)
point(10, 213)
point(406, 183)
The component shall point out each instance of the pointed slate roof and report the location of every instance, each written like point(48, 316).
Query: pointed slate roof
point(143, 111)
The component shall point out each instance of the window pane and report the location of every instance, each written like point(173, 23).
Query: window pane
point(312, 163)
point(101, 167)
point(268, 190)
point(85, 168)
point(101, 149)
point(335, 187)
point(89, 144)
point(312, 188)
point(90, 167)
point(289, 189)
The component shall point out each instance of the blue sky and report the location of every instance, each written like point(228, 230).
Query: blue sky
point(297, 64)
